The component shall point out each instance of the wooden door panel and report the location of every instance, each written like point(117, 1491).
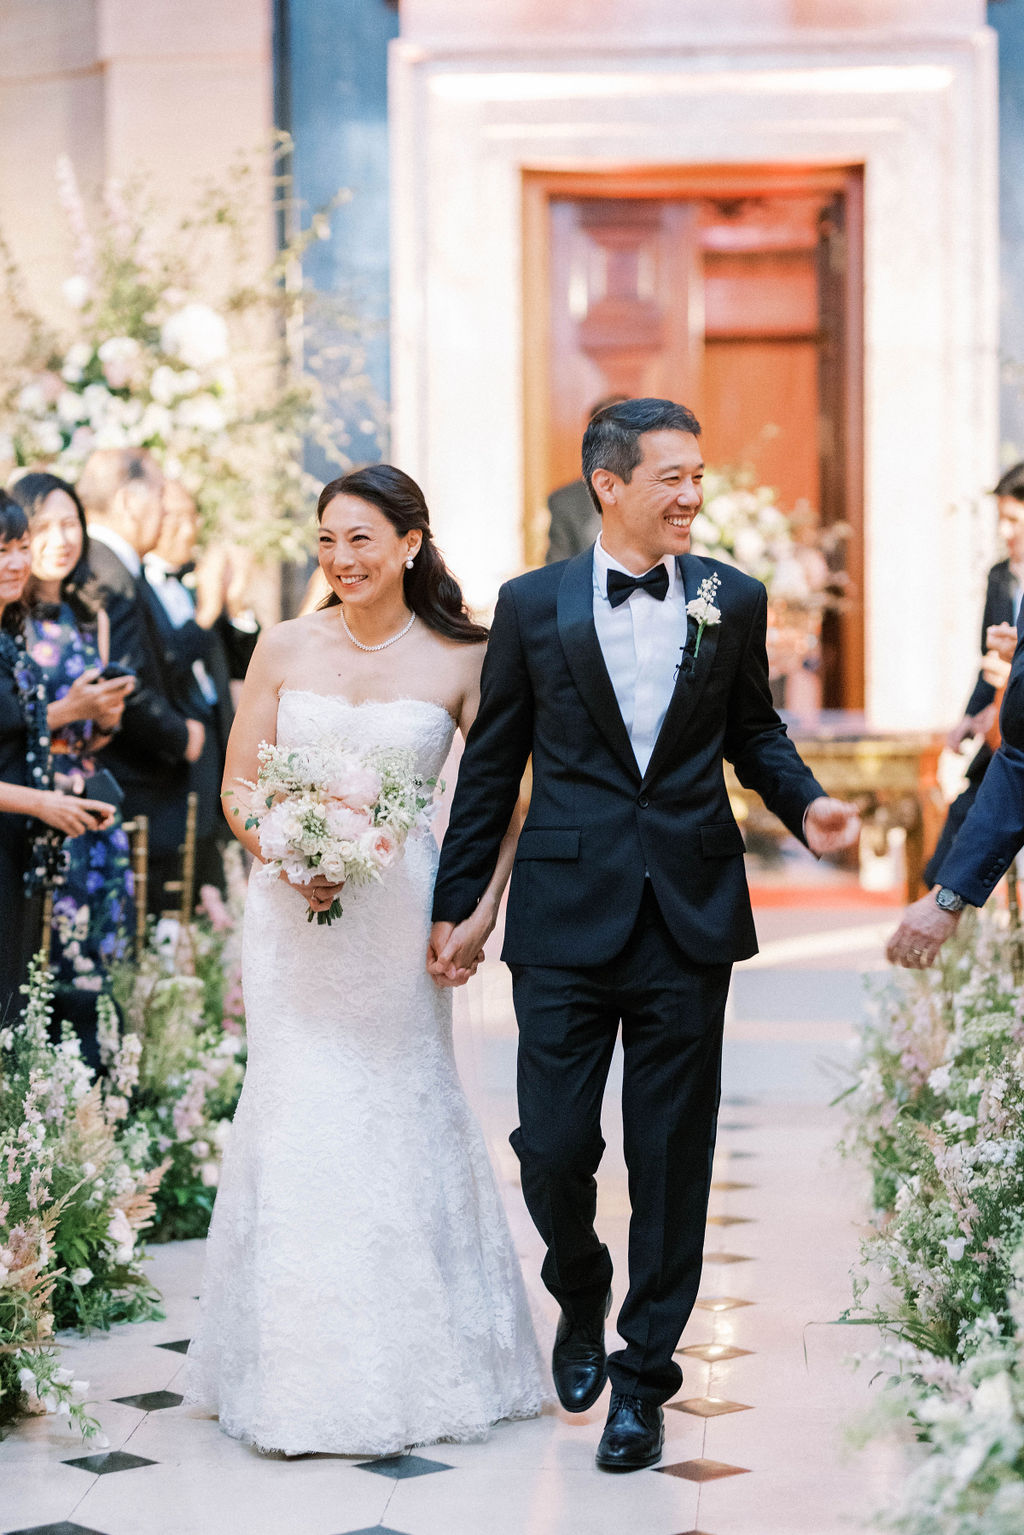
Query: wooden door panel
point(622, 321)
point(764, 413)
point(732, 289)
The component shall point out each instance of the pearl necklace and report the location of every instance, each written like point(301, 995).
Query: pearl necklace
point(384, 643)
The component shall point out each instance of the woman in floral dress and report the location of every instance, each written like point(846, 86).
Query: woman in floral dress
point(67, 636)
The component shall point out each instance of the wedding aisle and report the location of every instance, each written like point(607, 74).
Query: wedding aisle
point(754, 1442)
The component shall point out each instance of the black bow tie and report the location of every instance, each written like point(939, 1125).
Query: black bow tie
point(654, 583)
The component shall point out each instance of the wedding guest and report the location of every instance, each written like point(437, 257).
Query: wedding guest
point(29, 804)
point(67, 634)
point(211, 635)
point(121, 490)
point(575, 522)
point(998, 641)
point(990, 838)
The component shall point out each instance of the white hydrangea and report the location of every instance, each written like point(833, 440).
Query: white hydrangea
point(197, 335)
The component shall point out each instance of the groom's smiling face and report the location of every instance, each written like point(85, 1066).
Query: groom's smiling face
point(649, 516)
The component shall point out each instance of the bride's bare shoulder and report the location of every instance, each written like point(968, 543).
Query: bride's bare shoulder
point(295, 633)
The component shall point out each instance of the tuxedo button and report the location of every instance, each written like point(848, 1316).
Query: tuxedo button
point(643, 801)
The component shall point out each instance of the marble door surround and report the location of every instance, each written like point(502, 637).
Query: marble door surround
point(482, 93)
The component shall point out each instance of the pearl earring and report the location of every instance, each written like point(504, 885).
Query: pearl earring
point(410, 562)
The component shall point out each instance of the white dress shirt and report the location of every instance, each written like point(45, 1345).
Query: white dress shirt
point(641, 641)
point(117, 545)
point(179, 605)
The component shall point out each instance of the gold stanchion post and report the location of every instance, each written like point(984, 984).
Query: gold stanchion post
point(138, 830)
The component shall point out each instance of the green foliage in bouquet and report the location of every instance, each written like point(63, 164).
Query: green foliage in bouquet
point(937, 1113)
point(177, 342)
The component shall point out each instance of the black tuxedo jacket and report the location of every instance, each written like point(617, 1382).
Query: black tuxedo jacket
point(147, 756)
point(999, 594)
point(595, 824)
point(225, 652)
point(993, 831)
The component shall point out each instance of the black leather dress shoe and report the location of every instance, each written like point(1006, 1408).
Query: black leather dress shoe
point(633, 1435)
point(579, 1363)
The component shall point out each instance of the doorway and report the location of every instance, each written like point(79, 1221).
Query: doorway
point(735, 289)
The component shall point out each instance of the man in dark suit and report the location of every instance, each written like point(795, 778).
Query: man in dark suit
point(121, 491)
point(629, 900)
point(988, 841)
point(1002, 602)
point(211, 641)
point(575, 522)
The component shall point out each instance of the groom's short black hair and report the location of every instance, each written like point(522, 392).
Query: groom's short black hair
point(612, 439)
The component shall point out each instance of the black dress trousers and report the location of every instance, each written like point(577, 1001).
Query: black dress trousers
point(672, 1014)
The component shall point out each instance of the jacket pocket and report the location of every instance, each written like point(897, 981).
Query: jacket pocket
point(723, 840)
point(547, 842)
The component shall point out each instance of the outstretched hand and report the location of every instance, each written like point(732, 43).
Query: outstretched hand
point(921, 934)
point(831, 824)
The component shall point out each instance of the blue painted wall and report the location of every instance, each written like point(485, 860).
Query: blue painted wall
point(331, 90)
point(1007, 17)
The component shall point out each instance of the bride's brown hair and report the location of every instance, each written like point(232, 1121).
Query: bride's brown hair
point(431, 591)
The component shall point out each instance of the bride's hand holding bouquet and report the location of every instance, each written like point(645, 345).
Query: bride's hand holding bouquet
point(326, 816)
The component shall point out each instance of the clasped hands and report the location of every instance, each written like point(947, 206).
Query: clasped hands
point(456, 950)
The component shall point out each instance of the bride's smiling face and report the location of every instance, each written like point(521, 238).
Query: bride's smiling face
point(361, 554)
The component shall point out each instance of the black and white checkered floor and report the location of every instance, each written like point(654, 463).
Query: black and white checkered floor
point(754, 1443)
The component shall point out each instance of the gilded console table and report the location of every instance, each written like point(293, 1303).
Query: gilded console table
point(892, 778)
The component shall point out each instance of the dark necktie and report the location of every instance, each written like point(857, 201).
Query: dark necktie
point(620, 584)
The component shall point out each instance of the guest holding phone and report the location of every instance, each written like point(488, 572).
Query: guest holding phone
point(67, 635)
point(35, 817)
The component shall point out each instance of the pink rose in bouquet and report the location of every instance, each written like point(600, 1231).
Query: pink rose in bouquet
point(385, 848)
point(356, 785)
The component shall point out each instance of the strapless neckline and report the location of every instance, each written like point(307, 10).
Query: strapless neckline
point(364, 703)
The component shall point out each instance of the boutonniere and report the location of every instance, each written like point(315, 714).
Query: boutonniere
point(703, 608)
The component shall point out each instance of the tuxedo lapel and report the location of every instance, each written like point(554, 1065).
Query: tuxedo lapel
point(692, 674)
point(583, 657)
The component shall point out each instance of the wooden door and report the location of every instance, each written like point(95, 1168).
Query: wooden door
point(732, 289)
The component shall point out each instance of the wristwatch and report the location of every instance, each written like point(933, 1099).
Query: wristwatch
point(948, 900)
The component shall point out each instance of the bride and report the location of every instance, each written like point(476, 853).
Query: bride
point(361, 1293)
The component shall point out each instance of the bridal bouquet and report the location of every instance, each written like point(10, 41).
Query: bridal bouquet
point(326, 809)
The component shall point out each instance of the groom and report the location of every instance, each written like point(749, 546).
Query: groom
point(629, 901)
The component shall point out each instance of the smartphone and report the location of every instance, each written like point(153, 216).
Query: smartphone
point(112, 671)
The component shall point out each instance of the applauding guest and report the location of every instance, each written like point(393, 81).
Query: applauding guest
point(28, 802)
point(998, 642)
point(67, 634)
point(121, 491)
point(988, 841)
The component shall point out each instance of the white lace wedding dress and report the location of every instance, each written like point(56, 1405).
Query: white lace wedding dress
point(362, 1293)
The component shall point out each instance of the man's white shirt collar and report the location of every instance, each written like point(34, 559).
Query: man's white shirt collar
point(117, 545)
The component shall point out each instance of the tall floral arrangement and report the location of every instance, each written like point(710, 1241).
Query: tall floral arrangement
point(937, 1114)
point(173, 342)
point(742, 523)
point(76, 1189)
point(182, 1001)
